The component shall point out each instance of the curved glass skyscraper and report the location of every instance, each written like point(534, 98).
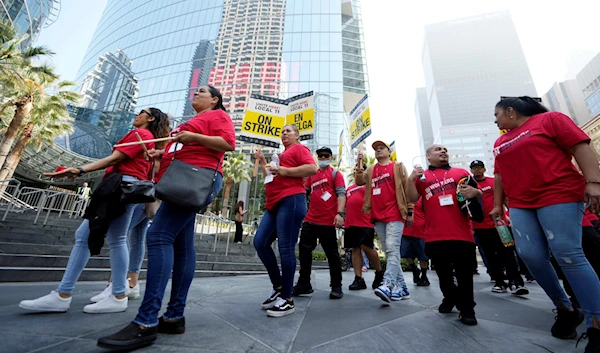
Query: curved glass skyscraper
point(29, 16)
point(155, 53)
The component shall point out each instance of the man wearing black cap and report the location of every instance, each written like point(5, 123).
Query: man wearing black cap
point(390, 210)
point(327, 191)
point(498, 256)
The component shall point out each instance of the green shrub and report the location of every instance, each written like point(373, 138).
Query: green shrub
point(316, 256)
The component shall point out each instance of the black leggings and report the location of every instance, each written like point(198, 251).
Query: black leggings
point(239, 232)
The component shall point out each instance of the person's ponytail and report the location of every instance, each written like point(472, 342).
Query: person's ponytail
point(524, 105)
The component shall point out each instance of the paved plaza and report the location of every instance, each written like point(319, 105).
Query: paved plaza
point(224, 315)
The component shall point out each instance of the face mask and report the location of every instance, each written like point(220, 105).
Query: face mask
point(324, 164)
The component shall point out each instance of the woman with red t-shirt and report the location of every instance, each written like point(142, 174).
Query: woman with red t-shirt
point(202, 142)
point(548, 197)
point(285, 210)
point(132, 164)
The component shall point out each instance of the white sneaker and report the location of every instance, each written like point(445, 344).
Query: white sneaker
point(105, 294)
point(107, 305)
point(50, 303)
point(133, 293)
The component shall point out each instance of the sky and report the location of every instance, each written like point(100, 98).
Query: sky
point(551, 34)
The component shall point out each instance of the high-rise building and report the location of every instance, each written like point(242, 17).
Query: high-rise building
point(29, 16)
point(567, 97)
point(202, 66)
point(589, 81)
point(423, 121)
point(469, 63)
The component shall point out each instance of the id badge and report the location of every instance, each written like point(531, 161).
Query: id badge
point(326, 196)
point(269, 178)
point(446, 200)
point(175, 147)
point(377, 191)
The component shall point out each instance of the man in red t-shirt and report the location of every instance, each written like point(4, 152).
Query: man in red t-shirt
point(448, 233)
point(498, 256)
point(413, 247)
point(326, 211)
point(359, 235)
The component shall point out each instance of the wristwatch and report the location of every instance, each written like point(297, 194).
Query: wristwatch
point(81, 171)
point(343, 214)
point(410, 213)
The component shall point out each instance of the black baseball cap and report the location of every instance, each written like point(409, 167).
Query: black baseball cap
point(325, 149)
point(477, 163)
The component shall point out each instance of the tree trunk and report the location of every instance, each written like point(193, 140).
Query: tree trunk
point(228, 185)
point(24, 106)
point(8, 169)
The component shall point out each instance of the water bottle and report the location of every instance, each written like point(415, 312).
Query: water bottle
point(422, 178)
point(504, 232)
point(275, 160)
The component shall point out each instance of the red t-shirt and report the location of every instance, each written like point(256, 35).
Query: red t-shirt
point(487, 187)
point(588, 218)
point(355, 199)
point(210, 123)
point(443, 222)
point(535, 163)
point(384, 206)
point(417, 230)
point(283, 186)
point(323, 198)
point(136, 165)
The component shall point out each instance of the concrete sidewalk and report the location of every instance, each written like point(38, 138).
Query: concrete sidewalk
point(224, 315)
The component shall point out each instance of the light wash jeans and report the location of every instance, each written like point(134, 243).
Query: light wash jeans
point(116, 237)
point(390, 235)
point(137, 238)
point(557, 228)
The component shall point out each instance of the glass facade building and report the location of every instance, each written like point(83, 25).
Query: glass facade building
point(29, 16)
point(589, 82)
point(278, 48)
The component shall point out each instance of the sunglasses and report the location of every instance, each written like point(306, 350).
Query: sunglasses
point(144, 111)
point(324, 155)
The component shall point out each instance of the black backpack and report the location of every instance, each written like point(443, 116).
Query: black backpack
point(472, 206)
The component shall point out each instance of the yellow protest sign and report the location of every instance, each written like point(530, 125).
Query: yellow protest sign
point(301, 112)
point(503, 131)
point(263, 121)
point(360, 118)
point(393, 155)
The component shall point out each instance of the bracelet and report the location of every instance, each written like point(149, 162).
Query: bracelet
point(592, 182)
point(343, 214)
point(81, 171)
point(410, 213)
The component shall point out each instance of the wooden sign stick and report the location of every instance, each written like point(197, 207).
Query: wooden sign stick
point(142, 142)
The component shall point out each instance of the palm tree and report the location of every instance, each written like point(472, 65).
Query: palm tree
point(367, 161)
point(235, 169)
point(49, 119)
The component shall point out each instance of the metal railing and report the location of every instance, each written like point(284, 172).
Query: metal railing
point(209, 223)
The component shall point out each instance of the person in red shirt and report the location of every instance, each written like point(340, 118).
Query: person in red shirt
point(413, 247)
point(448, 234)
point(534, 169)
point(498, 256)
point(326, 211)
point(202, 142)
point(359, 235)
point(390, 210)
point(285, 210)
point(130, 162)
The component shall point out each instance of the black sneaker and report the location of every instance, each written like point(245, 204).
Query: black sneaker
point(378, 281)
point(423, 282)
point(268, 304)
point(593, 335)
point(416, 273)
point(336, 293)
point(566, 323)
point(476, 272)
point(359, 283)
point(281, 308)
point(518, 289)
point(468, 318)
point(499, 287)
point(302, 290)
point(176, 327)
point(445, 307)
point(130, 338)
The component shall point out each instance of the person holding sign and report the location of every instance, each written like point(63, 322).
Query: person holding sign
point(548, 197)
point(326, 211)
point(106, 216)
point(449, 238)
point(285, 210)
point(390, 209)
point(201, 142)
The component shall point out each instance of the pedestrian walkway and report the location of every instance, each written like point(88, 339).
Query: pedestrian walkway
point(224, 315)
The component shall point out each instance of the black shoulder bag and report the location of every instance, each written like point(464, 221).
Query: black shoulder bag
point(139, 191)
point(185, 185)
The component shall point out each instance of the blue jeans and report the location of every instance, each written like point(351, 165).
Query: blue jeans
point(116, 237)
point(170, 242)
point(557, 228)
point(390, 235)
point(137, 238)
point(283, 223)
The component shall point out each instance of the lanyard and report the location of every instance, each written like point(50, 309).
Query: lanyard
point(443, 181)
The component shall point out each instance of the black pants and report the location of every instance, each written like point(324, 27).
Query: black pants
point(498, 256)
point(239, 232)
point(308, 242)
point(450, 256)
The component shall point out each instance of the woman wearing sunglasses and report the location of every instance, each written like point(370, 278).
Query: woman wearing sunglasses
point(132, 164)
